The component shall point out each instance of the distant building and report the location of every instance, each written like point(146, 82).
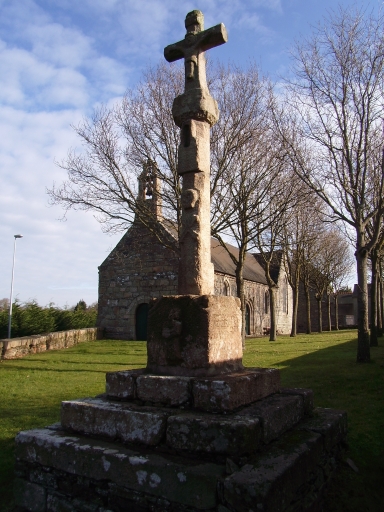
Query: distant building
point(348, 307)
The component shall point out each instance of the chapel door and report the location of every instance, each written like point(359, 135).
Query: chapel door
point(141, 321)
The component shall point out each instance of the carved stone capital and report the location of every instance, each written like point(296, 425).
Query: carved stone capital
point(195, 104)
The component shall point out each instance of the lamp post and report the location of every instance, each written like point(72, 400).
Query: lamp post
point(13, 273)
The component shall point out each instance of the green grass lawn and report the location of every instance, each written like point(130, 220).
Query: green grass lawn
point(33, 387)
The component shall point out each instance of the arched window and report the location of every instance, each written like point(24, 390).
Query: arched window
point(266, 302)
point(227, 288)
point(141, 321)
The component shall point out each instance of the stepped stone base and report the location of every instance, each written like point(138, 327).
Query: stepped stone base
point(215, 394)
point(62, 471)
point(274, 454)
point(181, 429)
point(225, 443)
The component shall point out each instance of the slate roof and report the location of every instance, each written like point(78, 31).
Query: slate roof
point(223, 263)
point(276, 264)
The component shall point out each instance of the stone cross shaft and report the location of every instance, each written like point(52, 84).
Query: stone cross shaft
point(195, 111)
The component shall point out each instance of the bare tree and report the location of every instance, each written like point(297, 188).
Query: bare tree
point(300, 232)
point(4, 304)
point(375, 257)
point(305, 277)
point(340, 267)
point(377, 251)
point(268, 228)
point(330, 265)
point(337, 99)
point(117, 143)
point(321, 283)
point(247, 164)
point(380, 323)
point(310, 250)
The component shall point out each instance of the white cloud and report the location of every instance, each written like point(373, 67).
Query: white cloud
point(49, 64)
point(29, 82)
point(253, 21)
point(61, 46)
point(53, 257)
point(51, 76)
point(109, 76)
point(273, 5)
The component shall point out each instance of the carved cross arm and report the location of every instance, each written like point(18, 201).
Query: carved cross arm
point(198, 43)
point(212, 37)
point(174, 52)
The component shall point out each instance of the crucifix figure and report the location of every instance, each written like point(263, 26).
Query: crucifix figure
point(192, 48)
point(195, 111)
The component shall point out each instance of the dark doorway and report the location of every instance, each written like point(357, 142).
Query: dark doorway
point(141, 321)
point(247, 320)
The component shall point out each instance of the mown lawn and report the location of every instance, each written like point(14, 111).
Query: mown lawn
point(32, 389)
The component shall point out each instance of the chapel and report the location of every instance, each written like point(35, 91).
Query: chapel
point(143, 266)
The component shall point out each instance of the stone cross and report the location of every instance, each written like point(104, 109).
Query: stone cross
point(195, 111)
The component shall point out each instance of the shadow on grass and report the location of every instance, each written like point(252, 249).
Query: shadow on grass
point(61, 370)
point(7, 474)
point(341, 383)
point(64, 361)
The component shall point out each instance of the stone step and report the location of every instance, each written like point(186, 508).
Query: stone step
point(63, 467)
point(289, 474)
point(213, 394)
point(125, 422)
point(57, 470)
point(277, 414)
point(215, 434)
point(186, 430)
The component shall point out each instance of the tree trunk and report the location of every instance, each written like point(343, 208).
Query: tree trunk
point(308, 307)
point(319, 314)
point(373, 341)
point(294, 311)
point(336, 312)
point(240, 293)
point(272, 309)
point(329, 312)
point(363, 349)
point(381, 318)
point(272, 301)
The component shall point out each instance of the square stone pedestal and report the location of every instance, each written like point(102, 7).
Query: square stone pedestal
point(190, 335)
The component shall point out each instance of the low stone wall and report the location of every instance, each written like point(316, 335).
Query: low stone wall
point(20, 347)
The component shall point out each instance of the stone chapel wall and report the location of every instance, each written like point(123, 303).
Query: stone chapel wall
point(138, 269)
point(254, 296)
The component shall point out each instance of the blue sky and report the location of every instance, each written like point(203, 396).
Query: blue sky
point(59, 59)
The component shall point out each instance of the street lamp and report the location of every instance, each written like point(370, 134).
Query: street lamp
point(13, 273)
